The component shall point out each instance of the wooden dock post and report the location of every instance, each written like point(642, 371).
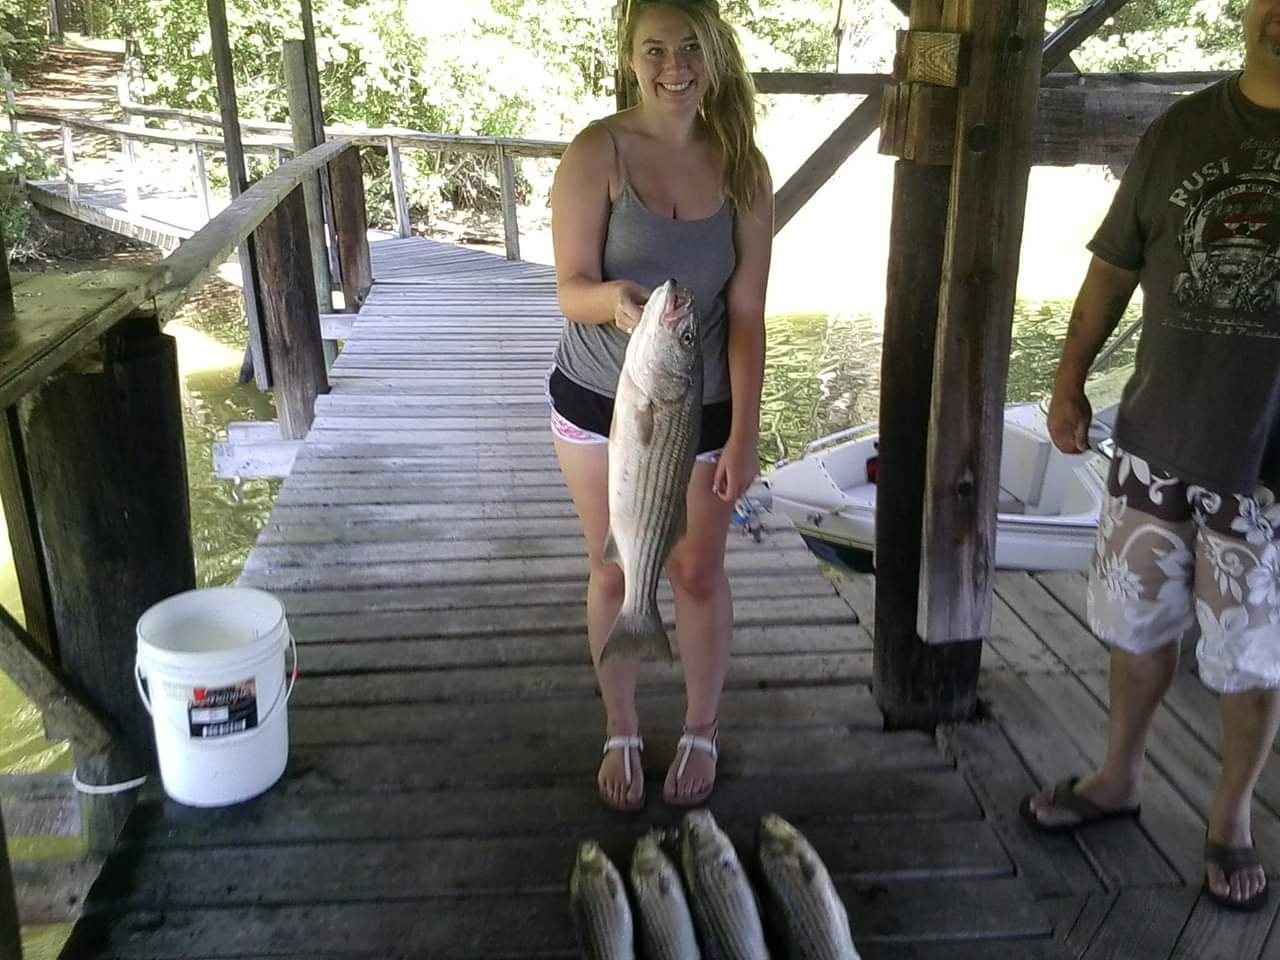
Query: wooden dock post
point(915, 684)
point(10, 935)
point(510, 221)
point(230, 110)
point(351, 228)
point(68, 161)
point(995, 122)
point(304, 124)
point(398, 196)
point(107, 464)
point(10, 931)
point(291, 315)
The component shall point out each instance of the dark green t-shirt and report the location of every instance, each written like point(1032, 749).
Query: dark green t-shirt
point(1198, 216)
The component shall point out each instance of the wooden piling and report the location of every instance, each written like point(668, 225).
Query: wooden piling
point(291, 315)
point(994, 128)
point(303, 127)
point(10, 931)
point(351, 228)
point(107, 463)
point(224, 71)
point(510, 222)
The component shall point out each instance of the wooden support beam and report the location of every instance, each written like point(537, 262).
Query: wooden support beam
point(930, 56)
point(510, 221)
point(819, 84)
point(398, 196)
point(108, 469)
point(297, 76)
point(1075, 30)
point(988, 200)
point(916, 686)
point(317, 116)
point(229, 108)
point(24, 536)
point(351, 229)
point(293, 320)
point(10, 929)
point(825, 161)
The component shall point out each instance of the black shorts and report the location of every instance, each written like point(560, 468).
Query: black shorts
point(592, 412)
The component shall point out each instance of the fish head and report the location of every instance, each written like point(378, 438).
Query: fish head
point(665, 349)
point(703, 837)
point(594, 872)
point(776, 835)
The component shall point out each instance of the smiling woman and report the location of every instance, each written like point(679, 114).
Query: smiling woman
point(673, 187)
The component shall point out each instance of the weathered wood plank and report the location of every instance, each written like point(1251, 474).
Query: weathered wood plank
point(53, 891)
point(521, 681)
point(1052, 866)
point(10, 939)
point(1212, 933)
point(975, 314)
point(532, 924)
point(1144, 922)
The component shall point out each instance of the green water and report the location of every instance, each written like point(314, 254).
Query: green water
point(823, 374)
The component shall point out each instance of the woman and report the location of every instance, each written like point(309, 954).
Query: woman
point(672, 187)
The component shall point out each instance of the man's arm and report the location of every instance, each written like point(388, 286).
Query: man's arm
point(1103, 297)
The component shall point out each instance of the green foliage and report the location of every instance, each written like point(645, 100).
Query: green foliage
point(22, 31)
point(1163, 35)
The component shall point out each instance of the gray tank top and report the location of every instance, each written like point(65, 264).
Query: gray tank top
point(648, 249)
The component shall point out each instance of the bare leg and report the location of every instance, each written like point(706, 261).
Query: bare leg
point(586, 472)
point(1249, 722)
point(704, 622)
point(1138, 684)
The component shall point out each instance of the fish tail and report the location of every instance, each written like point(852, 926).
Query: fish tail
point(637, 632)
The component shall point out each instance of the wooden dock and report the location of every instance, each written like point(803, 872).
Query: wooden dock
point(445, 731)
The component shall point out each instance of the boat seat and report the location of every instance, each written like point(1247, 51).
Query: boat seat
point(1023, 461)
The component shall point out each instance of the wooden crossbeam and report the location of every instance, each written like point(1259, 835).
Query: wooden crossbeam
point(67, 712)
point(825, 161)
point(1075, 30)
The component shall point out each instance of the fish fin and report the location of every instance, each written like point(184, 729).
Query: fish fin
point(644, 422)
point(635, 633)
point(611, 554)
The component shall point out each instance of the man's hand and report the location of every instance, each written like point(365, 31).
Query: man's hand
point(1069, 417)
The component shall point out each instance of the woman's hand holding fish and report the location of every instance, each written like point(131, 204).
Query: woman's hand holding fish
point(738, 465)
point(629, 306)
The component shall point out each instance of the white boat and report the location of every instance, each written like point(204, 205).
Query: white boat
point(1047, 516)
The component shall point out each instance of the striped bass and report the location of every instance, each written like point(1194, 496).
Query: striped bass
point(657, 415)
point(662, 913)
point(804, 908)
point(724, 905)
point(598, 904)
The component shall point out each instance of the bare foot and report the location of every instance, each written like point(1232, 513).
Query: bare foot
point(699, 775)
point(612, 780)
point(1097, 790)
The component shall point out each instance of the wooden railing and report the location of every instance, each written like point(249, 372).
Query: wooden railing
point(92, 462)
point(274, 139)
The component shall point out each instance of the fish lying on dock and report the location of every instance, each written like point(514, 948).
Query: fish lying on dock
point(653, 439)
point(802, 904)
point(724, 905)
point(662, 913)
point(598, 904)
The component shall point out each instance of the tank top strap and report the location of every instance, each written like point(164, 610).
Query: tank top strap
point(617, 152)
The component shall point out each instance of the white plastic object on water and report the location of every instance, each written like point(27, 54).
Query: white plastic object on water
point(214, 665)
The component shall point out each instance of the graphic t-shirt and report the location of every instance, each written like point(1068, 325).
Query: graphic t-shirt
point(1197, 215)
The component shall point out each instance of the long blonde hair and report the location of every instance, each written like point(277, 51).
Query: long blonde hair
point(728, 109)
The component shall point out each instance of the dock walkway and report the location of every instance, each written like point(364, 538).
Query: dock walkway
point(446, 730)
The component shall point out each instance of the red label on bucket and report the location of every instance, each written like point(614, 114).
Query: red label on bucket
point(223, 711)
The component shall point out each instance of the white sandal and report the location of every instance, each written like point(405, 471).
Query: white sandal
point(626, 745)
point(685, 746)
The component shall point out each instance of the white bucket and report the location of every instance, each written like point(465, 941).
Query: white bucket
point(214, 665)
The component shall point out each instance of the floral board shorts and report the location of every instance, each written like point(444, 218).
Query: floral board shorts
point(1171, 556)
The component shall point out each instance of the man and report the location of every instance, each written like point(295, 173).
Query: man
point(1191, 529)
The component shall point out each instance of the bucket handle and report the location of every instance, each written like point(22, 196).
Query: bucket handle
point(262, 721)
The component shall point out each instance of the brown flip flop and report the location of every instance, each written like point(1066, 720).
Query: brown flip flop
point(1065, 797)
point(1231, 860)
